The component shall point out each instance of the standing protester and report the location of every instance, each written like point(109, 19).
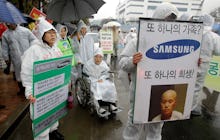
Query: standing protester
point(45, 48)
point(66, 46)
point(210, 46)
point(86, 43)
point(128, 62)
point(15, 41)
point(132, 34)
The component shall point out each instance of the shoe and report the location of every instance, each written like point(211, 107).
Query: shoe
point(113, 108)
point(55, 135)
point(2, 106)
point(102, 110)
point(195, 114)
point(70, 102)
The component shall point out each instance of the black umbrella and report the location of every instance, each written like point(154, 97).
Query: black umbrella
point(70, 10)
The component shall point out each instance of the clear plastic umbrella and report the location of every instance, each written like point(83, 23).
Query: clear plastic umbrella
point(112, 24)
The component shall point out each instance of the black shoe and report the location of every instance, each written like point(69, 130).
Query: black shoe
point(2, 106)
point(55, 135)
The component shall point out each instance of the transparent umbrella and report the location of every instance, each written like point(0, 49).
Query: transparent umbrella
point(70, 10)
point(112, 24)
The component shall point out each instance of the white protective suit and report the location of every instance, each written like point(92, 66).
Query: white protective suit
point(105, 90)
point(38, 51)
point(86, 45)
point(152, 130)
point(185, 17)
point(122, 75)
point(15, 43)
point(132, 34)
point(210, 46)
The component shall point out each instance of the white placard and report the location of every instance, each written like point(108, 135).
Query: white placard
point(170, 54)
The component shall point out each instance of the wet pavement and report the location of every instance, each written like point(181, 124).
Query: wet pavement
point(78, 124)
point(14, 105)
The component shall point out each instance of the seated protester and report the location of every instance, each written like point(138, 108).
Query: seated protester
point(102, 88)
point(66, 46)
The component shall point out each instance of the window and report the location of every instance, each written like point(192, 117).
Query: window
point(135, 13)
point(151, 7)
point(152, 1)
point(179, 3)
point(182, 9)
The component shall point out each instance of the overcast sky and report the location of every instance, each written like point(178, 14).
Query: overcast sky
point(109, 8)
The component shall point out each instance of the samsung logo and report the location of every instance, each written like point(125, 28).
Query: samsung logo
point(173, 49)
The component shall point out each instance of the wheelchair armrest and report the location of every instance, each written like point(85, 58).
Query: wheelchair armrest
point(111, 72)
point(85, 74)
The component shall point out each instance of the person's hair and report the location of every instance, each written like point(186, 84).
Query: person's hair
point(44, 39)
point(44, 36)
point(64, 28)
point(172, 16)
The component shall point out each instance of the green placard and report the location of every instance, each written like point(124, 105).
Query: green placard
point(212, 79)
point(50, 87)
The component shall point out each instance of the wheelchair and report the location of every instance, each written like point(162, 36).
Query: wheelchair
point(85, 98)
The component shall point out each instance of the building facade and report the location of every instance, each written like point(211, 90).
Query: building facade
point(128, 11)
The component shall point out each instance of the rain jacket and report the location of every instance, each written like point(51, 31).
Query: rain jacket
point(14, 44)
point(130, 36)
point(66, 45)
point(86, 46)
point(133, 131)
point(38, 51)
point(210, 46)
point(105, 90)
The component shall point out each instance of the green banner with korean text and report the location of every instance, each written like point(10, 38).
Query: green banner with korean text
point(50, 87)
point(212, 79)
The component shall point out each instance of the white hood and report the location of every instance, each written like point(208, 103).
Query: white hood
point(43, 26)
point(165, 9)
point(207, 20)
point(98, 50)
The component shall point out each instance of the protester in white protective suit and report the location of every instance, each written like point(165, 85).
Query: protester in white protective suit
point(86, 43)
point(102, 88)
point(128, 62)
point(122, 75)
point(44, 49)
point(210, 46)
point(132, 34)
point(15, 41)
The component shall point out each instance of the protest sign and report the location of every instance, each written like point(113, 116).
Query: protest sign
point(170, 55)
point(106, 41)
point(50, 87)
point(212, 79)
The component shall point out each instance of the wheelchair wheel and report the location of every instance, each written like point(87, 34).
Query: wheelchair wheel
point(81, 92)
